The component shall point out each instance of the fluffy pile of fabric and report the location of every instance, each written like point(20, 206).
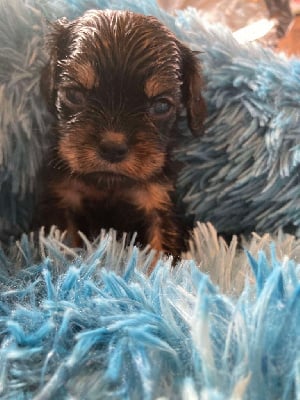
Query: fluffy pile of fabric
point(223, 324)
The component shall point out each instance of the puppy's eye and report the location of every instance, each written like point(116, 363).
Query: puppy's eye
point(73, 97)
point(160, 107)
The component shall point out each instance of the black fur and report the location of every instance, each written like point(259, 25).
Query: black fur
point(116, 83)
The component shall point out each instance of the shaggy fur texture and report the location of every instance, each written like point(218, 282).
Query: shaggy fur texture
point(116, 84)
point(92, 324)
point(241, 176)
point(99, 328)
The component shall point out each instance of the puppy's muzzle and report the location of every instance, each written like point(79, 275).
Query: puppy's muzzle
point(113, 151)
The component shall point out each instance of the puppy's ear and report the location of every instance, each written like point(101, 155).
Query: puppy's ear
point(191, 90)
point(56, 43)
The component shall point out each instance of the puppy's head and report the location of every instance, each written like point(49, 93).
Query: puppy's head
point(117, 82)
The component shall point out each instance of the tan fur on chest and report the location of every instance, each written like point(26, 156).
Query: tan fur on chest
point(153, 196)
point(72, 193)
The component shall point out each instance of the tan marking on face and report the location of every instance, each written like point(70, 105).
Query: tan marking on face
point(68, 152)
point(116, 137)
point(144, 158)
point(86, 75)
point(154, 86)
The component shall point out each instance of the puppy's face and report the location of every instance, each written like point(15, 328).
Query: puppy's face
point(117, 82)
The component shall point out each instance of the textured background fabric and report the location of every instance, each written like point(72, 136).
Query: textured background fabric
point(91, 324)
point(95, 326)
point(241, 176)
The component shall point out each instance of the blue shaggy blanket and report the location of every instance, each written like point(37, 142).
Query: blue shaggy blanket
point(223, 324)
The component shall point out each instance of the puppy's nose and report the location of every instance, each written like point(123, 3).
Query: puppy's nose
point(112, 151)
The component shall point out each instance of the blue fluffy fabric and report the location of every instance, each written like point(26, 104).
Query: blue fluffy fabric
point(93, 325)
point(88, 329)
point(241, 176)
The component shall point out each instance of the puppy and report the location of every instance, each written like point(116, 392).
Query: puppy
point(116, 83)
